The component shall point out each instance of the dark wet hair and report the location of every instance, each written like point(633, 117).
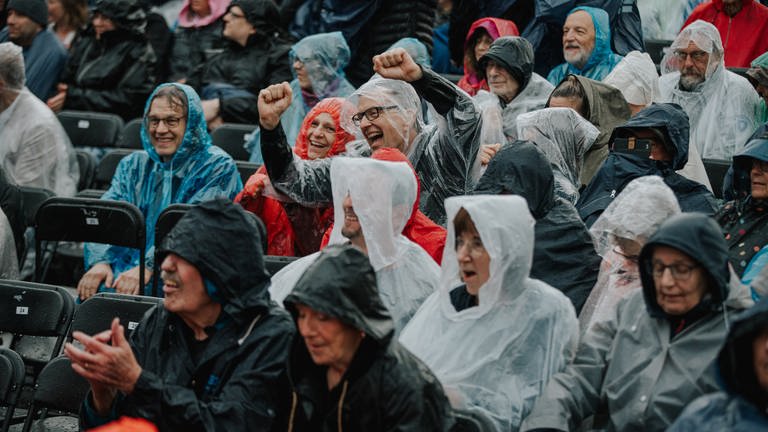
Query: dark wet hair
point(462, 223)
point(570, 87)
point(176, 98)
point(469, 52)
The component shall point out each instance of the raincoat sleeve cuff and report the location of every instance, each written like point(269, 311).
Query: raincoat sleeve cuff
point(276, 152)
point(436, 90)
point(90, 418)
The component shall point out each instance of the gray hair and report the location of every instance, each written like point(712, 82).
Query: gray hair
point(12, 66)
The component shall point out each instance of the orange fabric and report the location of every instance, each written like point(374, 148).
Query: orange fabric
point(420, 229)
point(282, 226)
point(127, 424)
point(472, 82)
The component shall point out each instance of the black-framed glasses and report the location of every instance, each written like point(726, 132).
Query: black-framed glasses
point(696, 56)
point(371, 113)
point(170, 122)
point(760, 165)
point(680, 272)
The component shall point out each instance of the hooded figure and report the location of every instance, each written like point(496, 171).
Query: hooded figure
point(669, 123)
point(384, 387)
point(602, 59)
point(721, 108)
point(603, 105)
point(235, 76)
point(383, 196)
point(564, 137)
point(476, 352)
point(515, 54)
point(563, 254)
point(197, 171)
point(744, 220)
point(741, 403)
point(228, 380)
point(195, 40)
point(619, 234)
point(292, 229)
point(115, 71)
point(643, 364)
point(482, 33)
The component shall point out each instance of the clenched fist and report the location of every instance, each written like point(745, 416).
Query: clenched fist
point(397, 64)
point(273, 101)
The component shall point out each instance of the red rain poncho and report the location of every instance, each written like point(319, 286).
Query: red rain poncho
point(471, 82)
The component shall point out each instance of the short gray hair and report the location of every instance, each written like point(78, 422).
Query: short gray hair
point(12, 66)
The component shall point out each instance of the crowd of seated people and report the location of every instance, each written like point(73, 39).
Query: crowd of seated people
point(537, 243)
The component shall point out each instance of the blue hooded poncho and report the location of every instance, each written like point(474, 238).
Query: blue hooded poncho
point(197, 172)
point(602, 61)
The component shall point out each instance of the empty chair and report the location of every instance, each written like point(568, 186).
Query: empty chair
point(246, 169)
point(104, 173)
point(11, 380)
point(90, 220)
point(58, 388)
point(87, 164)
point(231, 137)
point(96, 314)
point(130, 137)
point(91, 129)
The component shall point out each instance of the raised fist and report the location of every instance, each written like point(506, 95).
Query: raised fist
point(397, 64)
point(273, 101)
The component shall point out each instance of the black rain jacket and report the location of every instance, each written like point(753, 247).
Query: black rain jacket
point(385, 388)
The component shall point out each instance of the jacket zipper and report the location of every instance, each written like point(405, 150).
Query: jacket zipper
point(294, 402)
point(341, 404)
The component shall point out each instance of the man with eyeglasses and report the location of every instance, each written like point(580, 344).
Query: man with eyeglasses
point(653, 355)
point(721, 105)
point(386, 112)
point(178, 165)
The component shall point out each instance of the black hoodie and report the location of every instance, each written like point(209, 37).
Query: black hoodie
point(385, 387)
point(563, 253)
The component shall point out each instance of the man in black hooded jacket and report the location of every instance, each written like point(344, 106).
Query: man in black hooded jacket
point(210, 358)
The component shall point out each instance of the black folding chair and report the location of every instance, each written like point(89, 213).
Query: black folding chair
point(91, 129)
point(275, 263)
point(656, 48)
point(107, 167)
point(165, 223)
point(31, 199)
point(716, 170)
point(96, 314)
point(115, 223)
point(231, 137)
point(246, 169)
point(58, 388)
point(11, 381)
point(130, 137)
point(87, 164)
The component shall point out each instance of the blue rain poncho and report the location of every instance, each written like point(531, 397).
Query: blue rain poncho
point(324, 57)
point(197, 172)
point(602, 61)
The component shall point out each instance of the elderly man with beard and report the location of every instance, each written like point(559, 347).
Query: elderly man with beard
point(721, 105)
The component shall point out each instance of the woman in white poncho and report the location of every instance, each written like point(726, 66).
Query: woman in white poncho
point(492, 335)
point(619, 234)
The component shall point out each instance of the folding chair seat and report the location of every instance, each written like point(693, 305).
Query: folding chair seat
point(87, 164)
point(110, 222)
point(716, 170)
point(130, 137)
point(58, 388)
point(246, 169)
point(231, 137)
point(91, 129)
point(11, 381)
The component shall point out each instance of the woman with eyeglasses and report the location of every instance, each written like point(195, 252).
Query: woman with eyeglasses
point(619, 234)
point(638, 369)
point(744, 221)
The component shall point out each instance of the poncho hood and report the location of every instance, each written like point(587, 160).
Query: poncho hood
point(515, 54)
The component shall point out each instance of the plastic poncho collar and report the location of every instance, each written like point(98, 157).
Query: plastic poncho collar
point(224, 243)
point(636, 77)
point(332, 106)
point(324, 56)
point(342, 284)
point(513, 53)
point(521, 168)
point(188, 19)
point(699, 237)
point(564, 137)
point(126, 14)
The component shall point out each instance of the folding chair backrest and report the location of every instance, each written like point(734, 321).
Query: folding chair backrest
point(656, 48)
point(87, 164)
point(30, 309)
point(32, 198)
point(231, 137)
point(96, 314)
point(716, 170)
point(11, 381)
point(130, 137)
point(107, 167)
point(275, 263)
point(91, 129)
point(58, 387)
point(165, 223)
point(246, 169)
point(115, 223)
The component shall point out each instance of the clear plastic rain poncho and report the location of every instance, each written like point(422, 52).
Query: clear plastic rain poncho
point(722, 108)
point(34, 148)
point(564, 136)
point(9, 263)
point(197, 172)
point(382, 194)
point(636, 77)
point(495, 357)
point(619, 233)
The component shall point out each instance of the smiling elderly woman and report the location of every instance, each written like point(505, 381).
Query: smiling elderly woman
point(346, 372)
